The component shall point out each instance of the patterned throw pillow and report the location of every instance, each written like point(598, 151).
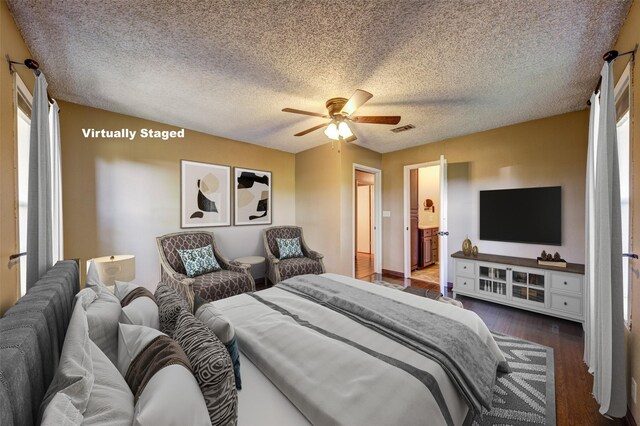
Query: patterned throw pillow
point(170, 304)
point(217, 322)
point(211, 366)
point(199, 261)
point(289, 247)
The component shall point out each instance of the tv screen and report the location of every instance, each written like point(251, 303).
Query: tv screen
point(526, 215)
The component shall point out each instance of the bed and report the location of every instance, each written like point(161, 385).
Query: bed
point(305, 358)
point(306, 361)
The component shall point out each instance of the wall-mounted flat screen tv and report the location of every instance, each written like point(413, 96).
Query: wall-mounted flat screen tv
point(524, 215)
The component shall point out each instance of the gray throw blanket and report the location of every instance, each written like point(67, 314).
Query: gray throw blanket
point(458, 349)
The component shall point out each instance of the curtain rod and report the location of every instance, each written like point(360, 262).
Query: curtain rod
point(32, 64)
point(609, 57)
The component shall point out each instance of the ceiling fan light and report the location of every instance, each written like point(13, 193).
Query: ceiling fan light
point(344, 130)
point(332, 131)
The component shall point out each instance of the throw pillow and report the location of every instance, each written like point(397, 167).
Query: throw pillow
point(160, 373)
point(211, 366)
point(213, 318)
point(138, 305)
point(199, 261)
point(87, 387)
point(169, 305)
point(103, 313)
point(289, 247)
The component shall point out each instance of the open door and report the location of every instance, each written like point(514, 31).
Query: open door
point(444, 230)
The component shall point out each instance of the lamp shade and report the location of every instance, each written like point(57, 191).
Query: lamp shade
point(120, 267)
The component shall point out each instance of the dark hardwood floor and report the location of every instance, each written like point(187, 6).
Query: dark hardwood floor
point(574, 403)
point(364, 265)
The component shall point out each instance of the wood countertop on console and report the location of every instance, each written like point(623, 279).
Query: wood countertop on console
point(574, 268)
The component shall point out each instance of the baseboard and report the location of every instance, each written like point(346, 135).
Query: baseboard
point(393, 273)
point(628, 419)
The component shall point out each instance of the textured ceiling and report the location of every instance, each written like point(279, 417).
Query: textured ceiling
point(228, 67)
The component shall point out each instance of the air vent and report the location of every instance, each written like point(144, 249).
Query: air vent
point(403, 128)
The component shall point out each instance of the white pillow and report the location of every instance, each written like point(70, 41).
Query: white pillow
point(87, 388)
point(213, 318)
point(123, 288)
point(103, 315)
point(140, 311)
point(93, 278)
point(132, 339)
point(172, 396)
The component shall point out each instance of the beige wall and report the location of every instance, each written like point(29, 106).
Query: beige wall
point(546, 152)
point(325, 200)
point(12, 44)
point(119, 195)
point(628, 38)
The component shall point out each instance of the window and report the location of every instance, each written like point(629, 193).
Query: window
point(23, 114)
point(622, 99)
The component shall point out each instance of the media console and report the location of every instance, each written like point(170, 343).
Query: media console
point(522, 283)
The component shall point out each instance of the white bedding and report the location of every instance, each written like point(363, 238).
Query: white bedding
point(261, 402)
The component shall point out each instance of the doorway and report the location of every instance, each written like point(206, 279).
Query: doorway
point(367, 233)
point(425, 217)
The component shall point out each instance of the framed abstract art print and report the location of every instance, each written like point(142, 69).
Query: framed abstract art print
point(205, 195)
point(252, 196)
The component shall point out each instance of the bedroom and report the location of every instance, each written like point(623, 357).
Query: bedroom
point(118, 196)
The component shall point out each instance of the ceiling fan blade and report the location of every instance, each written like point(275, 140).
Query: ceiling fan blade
point(299, 111)
point(377, 119)
point(313, 129)
point(356, 101)
point(351, 138)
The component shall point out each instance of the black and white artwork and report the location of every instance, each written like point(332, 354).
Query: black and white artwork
point(252, 196)
point(205, 195)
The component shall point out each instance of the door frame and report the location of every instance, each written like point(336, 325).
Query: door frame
point(377, 217)
point(407, 218)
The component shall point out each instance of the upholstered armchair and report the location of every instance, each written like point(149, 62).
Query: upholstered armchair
point(281, 269)
point(234, 278)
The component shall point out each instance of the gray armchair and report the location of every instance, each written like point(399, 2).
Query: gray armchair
point(281, 269)
point(234, 278)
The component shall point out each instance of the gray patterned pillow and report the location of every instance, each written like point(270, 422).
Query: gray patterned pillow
point(170, 304)
point(211, 366)
point(289, 247)
point(199, 261)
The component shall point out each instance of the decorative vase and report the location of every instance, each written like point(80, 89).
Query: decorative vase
point(466, 246)
point(474, 251)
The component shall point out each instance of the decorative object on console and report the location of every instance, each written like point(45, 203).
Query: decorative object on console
point(466, 246)
point(252, 197)
point(548, 259)
point(474, 251)
point(117, 267)
point(205, 195)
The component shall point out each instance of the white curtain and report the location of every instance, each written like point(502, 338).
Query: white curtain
point(39, 218)
point(56, 183)
point(604, 330)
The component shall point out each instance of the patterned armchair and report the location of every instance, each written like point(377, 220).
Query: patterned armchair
point(234, 278)
point(281, 269)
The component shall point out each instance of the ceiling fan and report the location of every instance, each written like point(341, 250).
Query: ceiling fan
point(340, 112)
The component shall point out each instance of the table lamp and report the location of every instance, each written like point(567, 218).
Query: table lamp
point(118, 267)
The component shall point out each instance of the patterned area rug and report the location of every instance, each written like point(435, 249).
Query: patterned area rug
point(527, 395)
